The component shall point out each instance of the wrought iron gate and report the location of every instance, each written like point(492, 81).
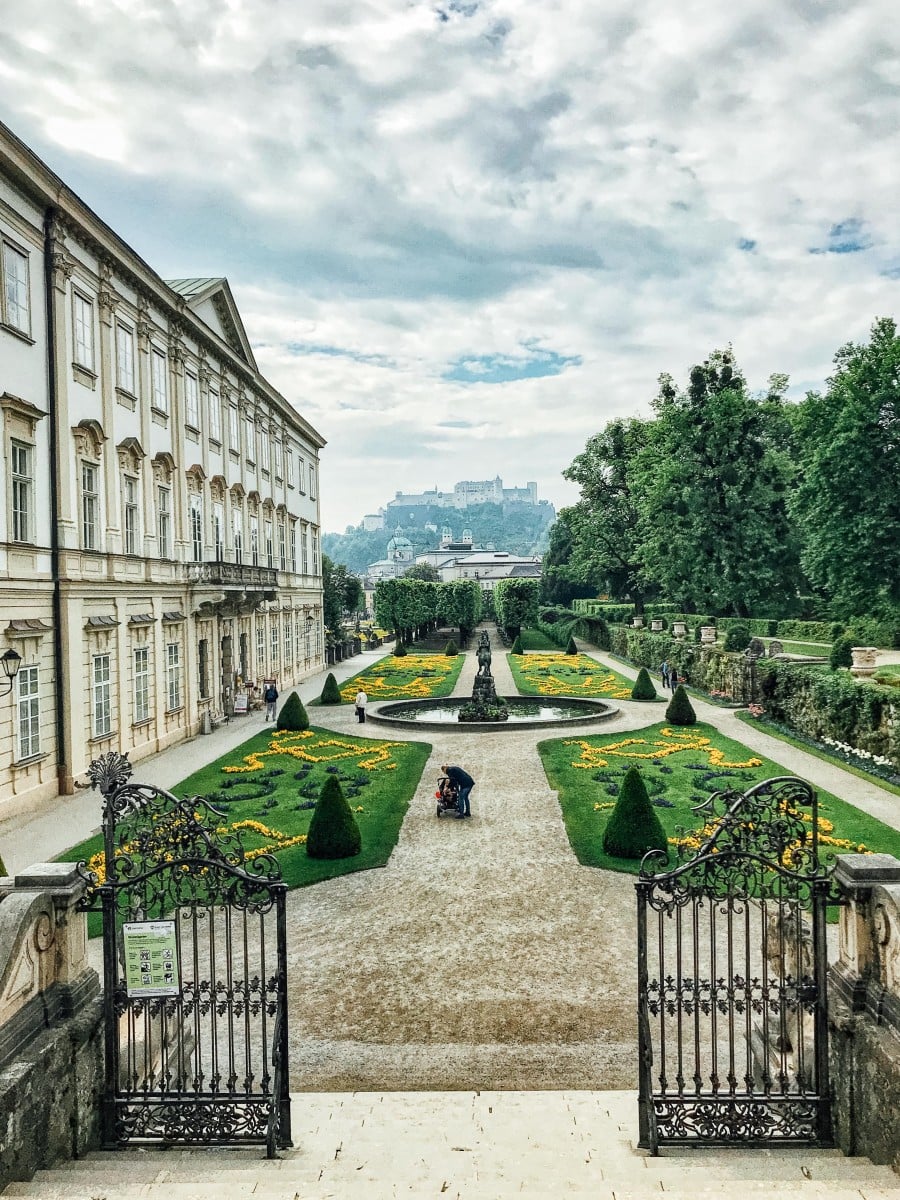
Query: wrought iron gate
point(194, 954)
point(732, 1019)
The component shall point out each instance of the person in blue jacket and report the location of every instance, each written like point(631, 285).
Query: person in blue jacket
point(465, 783)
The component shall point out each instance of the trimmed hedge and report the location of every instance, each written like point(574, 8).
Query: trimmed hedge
point(293, 715)
point(633, 827)
point(516, 647)
point(737, 637)
point(571, 648)
point(643, 686)
point(680, 710)
point(451, 649)
point(333, 831)
point(841, 655)
point(331, 693)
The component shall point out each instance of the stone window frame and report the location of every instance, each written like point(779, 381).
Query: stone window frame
point(126, 361)
point(159, 396)
point(131, 456)
point(214, 408)
point(30, 747)
point(191, 400)
point(84, 352)
point(163, 475)
point(20, 418)
point(238, 524)
point(89, 439)
point(140, 715)
point(9, 246)
point(101, 686)
point(174, 698)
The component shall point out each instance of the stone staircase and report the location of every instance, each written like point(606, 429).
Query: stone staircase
point(464, 1146)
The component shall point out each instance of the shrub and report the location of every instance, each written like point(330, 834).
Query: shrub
point(293, 715)
point(840, 655)
point(643, 686)
point(737, 637)
point(333, 831)
point(451, 649)
point(633, 827)
point(680, 710)
point(331, 693)
point(571, 648)
point(399, 650)
point(516, 647)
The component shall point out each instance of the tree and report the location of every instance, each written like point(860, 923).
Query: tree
point(517, 603)
point(459, 603)
point(604, 526)
point(633, 827)
point(331, 693)
point(680, 711)
point(332, 596)
point(643, 686)
point(715, 533)
point(424, 571)
point(848, 500)
point(563, 573)
point(293, 715)
point(333, 831)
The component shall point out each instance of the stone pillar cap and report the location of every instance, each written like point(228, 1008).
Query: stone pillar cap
point(867, 870)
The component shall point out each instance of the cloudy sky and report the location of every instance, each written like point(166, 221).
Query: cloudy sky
point(464, 234)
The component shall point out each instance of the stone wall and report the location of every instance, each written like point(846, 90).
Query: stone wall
point(864, 1010)
point(51, 1044)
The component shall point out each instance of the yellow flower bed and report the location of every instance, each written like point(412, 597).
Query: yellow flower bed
point(380, 686)
point(600, 682)
point(671, 741)
point(371, 756)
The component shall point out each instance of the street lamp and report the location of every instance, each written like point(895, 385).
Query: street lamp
point(11, 663)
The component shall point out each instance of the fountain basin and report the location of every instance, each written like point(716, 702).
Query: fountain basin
point(525, 712)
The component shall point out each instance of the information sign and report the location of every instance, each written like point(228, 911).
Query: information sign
point(240, 702)
point(151, 959)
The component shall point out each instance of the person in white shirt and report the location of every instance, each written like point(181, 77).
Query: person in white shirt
point(361, 701)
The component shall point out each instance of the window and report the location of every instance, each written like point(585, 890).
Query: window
point(254, 541)
point(294, 546)
point(197, 528)
point(260, 650)
point(218, 532)
point(300, 483)
point(315, 552)
point(237, 534)
point(83, 317)
point(303, 550)
point(215, 415)
point(90, 507)
point(312, 482)
point(141, 684)
point(203, 667)
point(277, 459)
point(164, 521)
point(270, 546)
point(159, 380)
point(173, 676)
point(249, 439)
point(288, 639)
point(29, 713)
point(282, 546)
point(15, 310)
point(234, 429)
point(191, 400)
point(22, 487)
point(289, 466)
point(264, 449)
point(125, 358)
point(130, 505)
point(274, 633)
point(101, 695)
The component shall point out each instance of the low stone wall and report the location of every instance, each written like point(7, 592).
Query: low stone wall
point(864, 1010)
point(51, 1044)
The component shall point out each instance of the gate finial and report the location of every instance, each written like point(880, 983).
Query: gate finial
point(109, 772)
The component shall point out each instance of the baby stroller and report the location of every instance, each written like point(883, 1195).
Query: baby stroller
point(446, 795)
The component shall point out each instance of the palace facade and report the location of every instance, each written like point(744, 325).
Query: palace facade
point(159, 531)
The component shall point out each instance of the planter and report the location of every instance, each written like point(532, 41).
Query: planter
point(679, 628)
point(863, 661)
point(656, 626)
point(638, 622)
point(707, 635)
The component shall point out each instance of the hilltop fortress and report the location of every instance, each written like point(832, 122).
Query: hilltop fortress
point(466, 493)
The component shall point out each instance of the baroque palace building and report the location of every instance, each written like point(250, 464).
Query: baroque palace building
point(159, 530)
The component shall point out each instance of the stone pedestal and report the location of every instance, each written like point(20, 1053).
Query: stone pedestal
point(637, 622)
point(863, 661)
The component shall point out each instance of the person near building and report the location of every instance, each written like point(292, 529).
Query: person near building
point(361, 701)
point(270, 696)
point(464, 783)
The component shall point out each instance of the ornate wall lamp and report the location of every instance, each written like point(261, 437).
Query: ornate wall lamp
point(10, 661)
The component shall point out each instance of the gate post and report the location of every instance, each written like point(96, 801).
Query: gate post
point(646, 1114)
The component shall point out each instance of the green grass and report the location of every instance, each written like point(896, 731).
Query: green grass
point(679, 780)
point(816, 751)
point(287, 780)
point(416, 676)
point(559, 674)
point(813, 649)
point(534, 639)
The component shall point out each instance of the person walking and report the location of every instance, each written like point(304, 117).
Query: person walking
point(673, 677)
point(464, 783)
point(361, 701)
point(270, 695)
point(664, 672)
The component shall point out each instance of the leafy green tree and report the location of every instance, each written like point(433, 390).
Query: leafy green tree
point(333, 831)
point(848, 500)
point(424, 571)
point(633, 827)
point(332, 596)
point(841, 651)
point(459, 603)
point(604, 526)
point(517, 603)
point(565, 575)
point(715, 533)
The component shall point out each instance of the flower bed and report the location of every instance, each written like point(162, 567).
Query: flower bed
point(680, 767)
point(567, 675)
point(412, 677)
point(268, 787)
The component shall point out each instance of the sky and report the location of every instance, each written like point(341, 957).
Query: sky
point(465, 234)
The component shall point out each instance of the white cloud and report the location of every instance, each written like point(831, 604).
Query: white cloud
point(405, 186)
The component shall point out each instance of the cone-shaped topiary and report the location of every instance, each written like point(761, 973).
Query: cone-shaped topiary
point(331, 693)
point(293, 715)
point(680, 710)
point(840, 652)
point(643, 686)
point(451, 649)
point(633, 827)
point(399, 650)
point(516, 647)
point(571, 648)
point(333, 831)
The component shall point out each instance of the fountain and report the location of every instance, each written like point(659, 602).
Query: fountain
point(485, 704)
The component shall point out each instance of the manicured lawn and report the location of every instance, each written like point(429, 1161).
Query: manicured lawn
point(268, 787)
point(812, 649)
point(561, 674)
point(534, 639)
point(681, 767)
point(412, 677)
